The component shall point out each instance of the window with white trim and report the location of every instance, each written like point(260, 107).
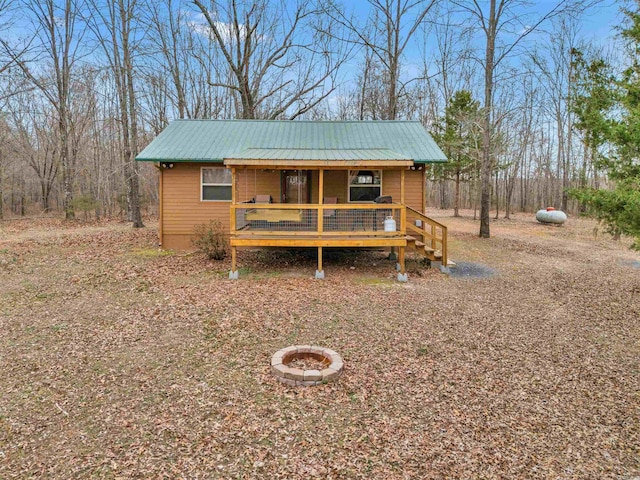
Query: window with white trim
point(215, 184)
point(364, 185)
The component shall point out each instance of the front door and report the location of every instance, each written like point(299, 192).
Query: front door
point(296, 186)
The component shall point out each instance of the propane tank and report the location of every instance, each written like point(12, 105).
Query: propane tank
point(389, 224)
point(551, 215)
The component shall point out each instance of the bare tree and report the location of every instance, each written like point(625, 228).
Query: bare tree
point(9, 53)
point(498, 20)
point(5, 155)
point(169, 26)
point(386, 36)
point(35, 141)
point(113, 25)
point(519, 137)
point(554, 70)
point(181, 62)
point(57, 41)
point(281, 62)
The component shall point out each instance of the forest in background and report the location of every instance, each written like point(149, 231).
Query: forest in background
point(516, 97)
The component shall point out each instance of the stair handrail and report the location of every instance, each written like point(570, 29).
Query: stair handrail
point(433, 223)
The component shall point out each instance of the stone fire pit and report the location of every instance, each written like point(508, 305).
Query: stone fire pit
point(306, 365)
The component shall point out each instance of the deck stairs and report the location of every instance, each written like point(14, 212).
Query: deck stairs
point(428, 237)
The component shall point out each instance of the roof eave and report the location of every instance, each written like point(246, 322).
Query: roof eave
point(437, 160)
point(220, 160)
point(179, 160)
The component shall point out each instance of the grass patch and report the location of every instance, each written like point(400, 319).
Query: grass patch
point(152, 252)
point(376, 281)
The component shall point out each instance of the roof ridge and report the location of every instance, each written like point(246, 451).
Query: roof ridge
point(319, 148)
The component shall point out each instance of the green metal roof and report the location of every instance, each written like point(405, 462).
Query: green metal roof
point(319, 154)
point(215, 140)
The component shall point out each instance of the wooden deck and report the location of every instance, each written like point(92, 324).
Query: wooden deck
point(339, 226)
point(344, 241)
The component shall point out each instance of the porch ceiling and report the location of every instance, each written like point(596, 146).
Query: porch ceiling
point(318, 157)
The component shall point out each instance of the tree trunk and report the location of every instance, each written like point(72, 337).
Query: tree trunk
point(497, 195)
point(487, 162)
point(67, 185)
point(134, 182)
point(443, 194)
point(567, 156)
point(456, 201)
point(45, 196)
point(1, 183)
point(583, 175)
point(508, 196)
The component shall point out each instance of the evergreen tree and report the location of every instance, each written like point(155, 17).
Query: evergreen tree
point(619, 127)
point(459, 135)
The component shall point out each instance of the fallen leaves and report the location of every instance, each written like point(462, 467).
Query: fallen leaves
point(118, 362)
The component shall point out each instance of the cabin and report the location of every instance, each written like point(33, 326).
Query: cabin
point(316, 184)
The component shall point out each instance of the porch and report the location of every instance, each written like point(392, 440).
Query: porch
point(379, 222)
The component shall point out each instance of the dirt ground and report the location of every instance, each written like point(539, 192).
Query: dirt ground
point(118, 360)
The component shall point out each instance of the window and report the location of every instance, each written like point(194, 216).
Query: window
point(216, 183)
point(364, 185)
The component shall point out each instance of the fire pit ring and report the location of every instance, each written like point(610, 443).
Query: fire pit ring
point(331, 362)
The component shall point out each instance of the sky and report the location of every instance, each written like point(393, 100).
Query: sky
point(597, 25)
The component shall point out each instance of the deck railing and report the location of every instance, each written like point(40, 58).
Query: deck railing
point(314, 219)
point(431, 232)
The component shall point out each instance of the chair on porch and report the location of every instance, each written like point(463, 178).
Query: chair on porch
point(329, 214)
point(255, 223)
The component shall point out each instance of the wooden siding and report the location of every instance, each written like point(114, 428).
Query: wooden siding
point(182, 208)
point(181, 205)
point(252, 182)
point(177, 242)
point(335, 185)
point(413, 195)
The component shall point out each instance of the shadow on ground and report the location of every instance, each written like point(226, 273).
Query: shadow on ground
point(472, 270)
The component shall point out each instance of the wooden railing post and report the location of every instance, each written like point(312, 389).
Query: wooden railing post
point(433, 236)
point(234, 198)
point(320, 201)
point(444, 247)
point(403, 211)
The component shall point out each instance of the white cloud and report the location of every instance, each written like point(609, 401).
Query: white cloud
point(200, 25)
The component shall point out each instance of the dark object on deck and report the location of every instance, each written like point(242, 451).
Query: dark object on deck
point(384, 199)
point(263, 199)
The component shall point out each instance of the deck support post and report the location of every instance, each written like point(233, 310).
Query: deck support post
point(392, 254)
point(319, 271)
point(233, 274)
point(402, 274)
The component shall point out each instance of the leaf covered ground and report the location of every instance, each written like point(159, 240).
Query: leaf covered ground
point(118, 360)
